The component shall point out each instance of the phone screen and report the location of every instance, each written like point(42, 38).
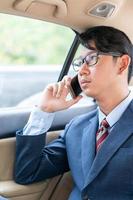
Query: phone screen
point(75, 88)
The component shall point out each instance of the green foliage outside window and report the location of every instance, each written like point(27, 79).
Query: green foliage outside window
point(28, 41)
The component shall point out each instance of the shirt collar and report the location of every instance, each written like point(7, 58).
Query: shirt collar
point(117, 112)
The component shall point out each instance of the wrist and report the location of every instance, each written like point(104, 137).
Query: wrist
point(45, 109)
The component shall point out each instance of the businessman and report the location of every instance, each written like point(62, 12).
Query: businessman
point(96, 147)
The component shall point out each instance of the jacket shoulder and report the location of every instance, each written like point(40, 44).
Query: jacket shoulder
point(84, 117)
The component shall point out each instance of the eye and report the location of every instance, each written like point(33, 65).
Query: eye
point(88, 59)
point(91, 59)
point(78, 62)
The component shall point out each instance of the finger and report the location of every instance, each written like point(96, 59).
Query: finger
point(55, 89)
point(67, 80)
point(49, 88)
point(65, 92)
point(61, 86)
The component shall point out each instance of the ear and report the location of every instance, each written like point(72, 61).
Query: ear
point(124, 63)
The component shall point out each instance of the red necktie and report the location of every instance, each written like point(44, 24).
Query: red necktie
point(101, 134)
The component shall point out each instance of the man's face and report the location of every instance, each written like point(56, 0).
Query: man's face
point(98, 79)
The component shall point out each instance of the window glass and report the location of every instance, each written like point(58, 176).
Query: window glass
point(32, 53)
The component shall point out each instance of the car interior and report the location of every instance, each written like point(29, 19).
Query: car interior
point(78, 16)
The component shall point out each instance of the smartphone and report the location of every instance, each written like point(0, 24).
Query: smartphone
point(75, 88)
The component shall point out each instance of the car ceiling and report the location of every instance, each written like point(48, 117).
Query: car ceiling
point(76, 14)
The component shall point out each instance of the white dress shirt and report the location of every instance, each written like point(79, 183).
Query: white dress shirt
point(117, 112)
point(39, 122)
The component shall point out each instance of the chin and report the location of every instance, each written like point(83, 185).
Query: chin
point(89, 93)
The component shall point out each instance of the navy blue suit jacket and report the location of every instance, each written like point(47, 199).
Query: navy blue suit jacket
point(107, 175)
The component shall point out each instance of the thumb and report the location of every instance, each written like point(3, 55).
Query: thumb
point(74, 101)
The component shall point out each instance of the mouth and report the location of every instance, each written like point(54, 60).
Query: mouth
point(84, 83)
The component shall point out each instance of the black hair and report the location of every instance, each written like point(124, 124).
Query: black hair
point(108, 39)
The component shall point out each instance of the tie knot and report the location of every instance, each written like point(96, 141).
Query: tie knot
point(104, 123)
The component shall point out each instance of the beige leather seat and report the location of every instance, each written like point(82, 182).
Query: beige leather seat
point(53, 189)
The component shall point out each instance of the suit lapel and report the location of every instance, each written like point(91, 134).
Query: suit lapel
point(120, 133)
point(88, 144)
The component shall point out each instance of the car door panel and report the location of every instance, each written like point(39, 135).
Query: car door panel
point(12, 190)
point(12, 120)
point(63, 188)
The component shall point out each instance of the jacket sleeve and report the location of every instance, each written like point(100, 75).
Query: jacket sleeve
point(36, 161)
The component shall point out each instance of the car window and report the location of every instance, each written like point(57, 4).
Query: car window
point(31, 56)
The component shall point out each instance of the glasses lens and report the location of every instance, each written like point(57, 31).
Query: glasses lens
point(77, 63)
point(91, 59)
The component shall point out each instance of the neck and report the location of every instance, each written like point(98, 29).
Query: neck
point(108, 102)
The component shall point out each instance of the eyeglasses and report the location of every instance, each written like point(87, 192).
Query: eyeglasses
point(91, 59)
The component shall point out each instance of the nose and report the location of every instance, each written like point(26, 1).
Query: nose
point(84, 69)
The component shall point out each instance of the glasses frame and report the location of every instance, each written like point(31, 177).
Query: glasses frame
point(83, 60)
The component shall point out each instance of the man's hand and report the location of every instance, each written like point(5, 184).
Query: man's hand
point(54, 96)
